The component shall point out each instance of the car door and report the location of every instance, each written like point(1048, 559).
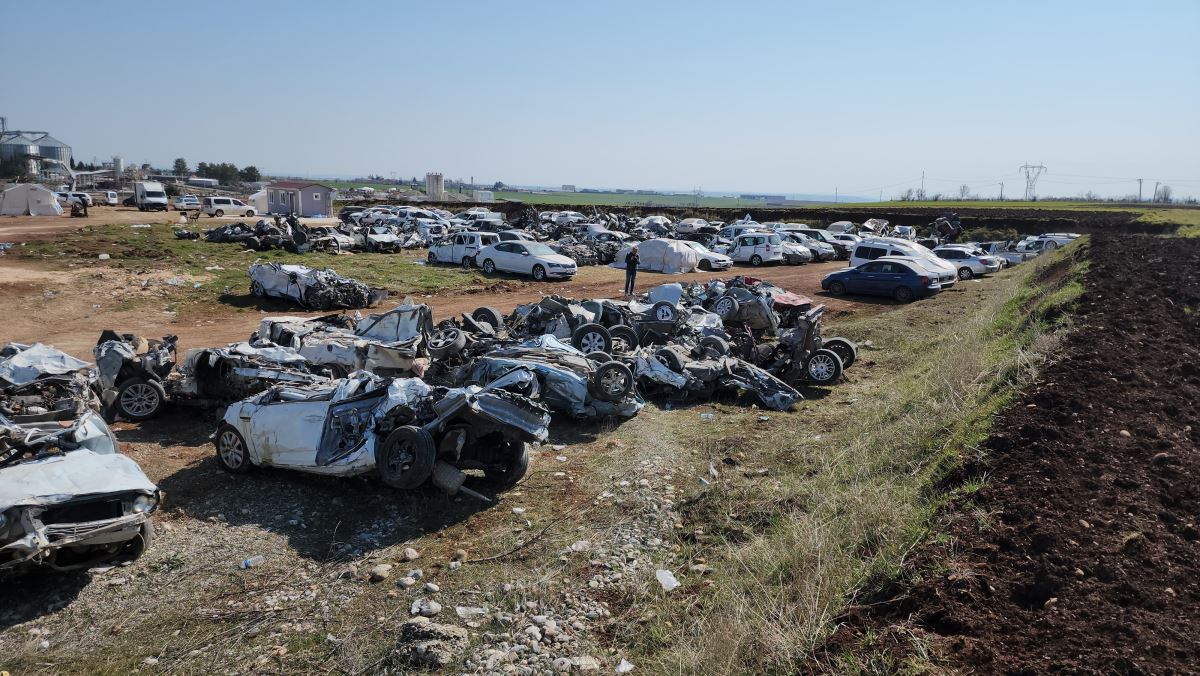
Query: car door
point(865, 280)
point(502, 256)
point(520, 260)
point(287, 432)
point(887, 278)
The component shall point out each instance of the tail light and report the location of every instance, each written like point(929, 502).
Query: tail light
point(924, 280)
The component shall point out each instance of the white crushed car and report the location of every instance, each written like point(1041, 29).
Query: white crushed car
point(316, 289)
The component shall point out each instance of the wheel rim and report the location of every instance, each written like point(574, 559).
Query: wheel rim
point(755, 260)
point(964, 274)
point(232, 452)
point(665, 314)
point(139, 399)
point(821, 367)
point(443, 339)
point(612, 382)
point(489, 267)
point(256, 289)
point(724, 307)
point(592, 342)
point(401, 459)
point(903, 293)
point(538, 272)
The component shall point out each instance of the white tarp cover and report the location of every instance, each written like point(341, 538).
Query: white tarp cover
point(27, 199)
point(662, 255)
point(35, 361)
point(259, 201)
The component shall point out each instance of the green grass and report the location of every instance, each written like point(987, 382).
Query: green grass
point(218, 267)
point(621, 199)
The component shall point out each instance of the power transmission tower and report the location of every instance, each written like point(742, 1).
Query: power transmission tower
point(1032, 171)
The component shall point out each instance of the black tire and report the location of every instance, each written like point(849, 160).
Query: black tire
point(233, 455)
point(598, 357)
point(431, 257)
point(405, 458)
point(516, 465)
point(133, 549)
point(249, 213)
point(965, 273)
point(664, 311)
point(489, 266)
point(903, 294)
point(489, 315)
point(670, 359)
point(756, 260)
point(726, 307)
point(218, 213)
point(256, 289)
point(467, 263)
point(715, 344)
point(139, 399)
point(705, 266)
point(592, 338)
point(846, 350)
point(624, 339)
point(1050, 246)
point(254, 243)
point(611, 382)
point(823, 367)
point(447, 342)
point(837, 288)
point(539, 273)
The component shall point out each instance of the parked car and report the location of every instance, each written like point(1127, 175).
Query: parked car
point(462, 248)
point(693, 225)
point(821, 251)
point(795, 252)
point(220, 206)
point(757, 248)
point(709, 260)
point(1007, 253)
point(110, 198)
point(66, 199)
point(899, 278)
point(515, 235)
point(872, 248)
point(848, 238)
point(970, 262)
point(130, 201)
point(402, 430)
point(730, 232)
point(842, 248)
point(186, 202)
point(525, 258)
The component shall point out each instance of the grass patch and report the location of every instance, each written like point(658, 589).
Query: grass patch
point(855, 478)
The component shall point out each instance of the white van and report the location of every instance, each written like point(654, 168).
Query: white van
point(220, 206)
point(877, 247)
point(111, 198)
point(756, 248)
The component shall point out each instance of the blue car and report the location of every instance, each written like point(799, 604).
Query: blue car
point(901, 278)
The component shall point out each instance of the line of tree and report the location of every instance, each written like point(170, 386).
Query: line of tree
point(226, 173)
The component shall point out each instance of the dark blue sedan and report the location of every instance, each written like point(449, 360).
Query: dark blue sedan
point(901, 278)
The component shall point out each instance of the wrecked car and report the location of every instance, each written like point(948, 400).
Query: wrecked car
point(131, 372)
point(39, 383)
point(704, 372)
point(403, 430)
point(68, 499)
point(215, 375)
point(317, 289)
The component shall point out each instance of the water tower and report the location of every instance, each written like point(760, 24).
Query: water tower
point(118, 169)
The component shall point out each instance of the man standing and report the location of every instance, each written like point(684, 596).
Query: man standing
point(631, 267)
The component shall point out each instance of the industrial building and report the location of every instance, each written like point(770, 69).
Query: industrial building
point(435, 186)
point(16, 146)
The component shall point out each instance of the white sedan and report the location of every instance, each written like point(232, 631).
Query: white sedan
point(709, 260)
point(525, 258)
point(970, 262)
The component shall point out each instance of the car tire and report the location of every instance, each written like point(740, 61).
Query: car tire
point(256, 289)
point(139, 399)
point(249, 213)
point(598, 357)
point(705, 266)
point(715, 344)
point(846, 350)
point(611, 382)
point(489, 315)
point(447, 342)
point(903, 294)
point(516, 465)
point(726, 307)
point(823, 367)
point(624, 338)
point(592, 337)
point(467, 263)
point(965, 273)
point(539, 273)
point(837, 288)
point(406, 457)
point(133, 549)
point(756, 260)
point(664, 311)
point(1051, 246)
point(489, 266)
point(668, 357)
point(431, 258)
point(218, 213)
point(233, 455)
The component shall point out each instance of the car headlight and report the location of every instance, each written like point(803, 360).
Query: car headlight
point(144, 504)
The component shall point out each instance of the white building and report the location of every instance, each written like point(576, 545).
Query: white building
point(568, 188)
point(435, 186)
point(483, 196)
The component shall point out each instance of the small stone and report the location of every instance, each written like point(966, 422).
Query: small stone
point(455, 565)
point(586, 663)
point(562, 664)
point(624, 667)
point(410, 554)
point(1084, 524)
point(425, 607)
point(150, 661)
point(518, 510)
point(416, 574)
point(406, 582)
point(1125, 433)
point(381, 572)
point(432, 588)
point(1079, 572)
point(533, 632)
point(459, 555)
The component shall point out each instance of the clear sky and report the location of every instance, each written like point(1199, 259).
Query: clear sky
point(796, 97)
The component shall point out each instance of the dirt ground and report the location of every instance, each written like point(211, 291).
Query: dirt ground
point(21, 228)
point(1079, 554)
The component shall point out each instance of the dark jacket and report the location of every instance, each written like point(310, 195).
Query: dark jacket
point(631, 261)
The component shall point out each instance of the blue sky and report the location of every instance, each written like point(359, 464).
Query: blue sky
point(796, 97)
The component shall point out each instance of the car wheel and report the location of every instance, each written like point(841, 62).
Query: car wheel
point(432, 257)
point(705, 265)
point(664, 311)
point(624, 339)
point(539, 273)
point(516, 464)
point(406, 457)
point(232, 454)
point(756, 260)
point(489, 315)
point(599, 357)
point(843, 348)
point(489, 266)
point(1051, 246)
point(612, 381)
point(715, 344)
point(467, 263)
point(249, 213)
point(592, 338)
point(824, 367)
point(670, 359)
point(447, 342)
point(140, 399)
point(133, 549)
point(837, 288)
point(903, 294)
point(218, 213)
point(965, 274)
point(726, 307)
point(256, 289)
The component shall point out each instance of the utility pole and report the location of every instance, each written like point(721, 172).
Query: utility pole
point(922, 184)
point(1139, 190)
point(1001, 191)
point(835, 194)
point(1032, 171)
point(1155, 198)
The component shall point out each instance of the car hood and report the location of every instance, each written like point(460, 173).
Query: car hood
point(64, 477)
point(557, 258)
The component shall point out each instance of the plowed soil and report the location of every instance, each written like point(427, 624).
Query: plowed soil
point(1080, 552)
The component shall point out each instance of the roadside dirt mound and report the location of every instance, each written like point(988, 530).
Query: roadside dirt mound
point(1080, 552)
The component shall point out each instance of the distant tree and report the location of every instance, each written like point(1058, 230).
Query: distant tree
point(498, 186)
point(250, 174)
point(1164, 194)
point(202, 170)
point(907, 195)
point(180, 167)
point(172, 189)
point(963, 191)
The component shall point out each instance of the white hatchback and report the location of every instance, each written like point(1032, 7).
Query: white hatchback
point(757, 248)
point(525, 258)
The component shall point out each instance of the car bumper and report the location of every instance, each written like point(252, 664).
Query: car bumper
point(560, 274)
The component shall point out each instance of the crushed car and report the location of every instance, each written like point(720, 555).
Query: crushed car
point(403, 430)
point(316, 289)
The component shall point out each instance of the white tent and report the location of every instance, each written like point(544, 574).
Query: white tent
point(662, 255)
point(28, 199)
point(259, 201)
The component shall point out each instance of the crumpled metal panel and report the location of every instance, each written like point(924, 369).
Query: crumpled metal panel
point(27, 363)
